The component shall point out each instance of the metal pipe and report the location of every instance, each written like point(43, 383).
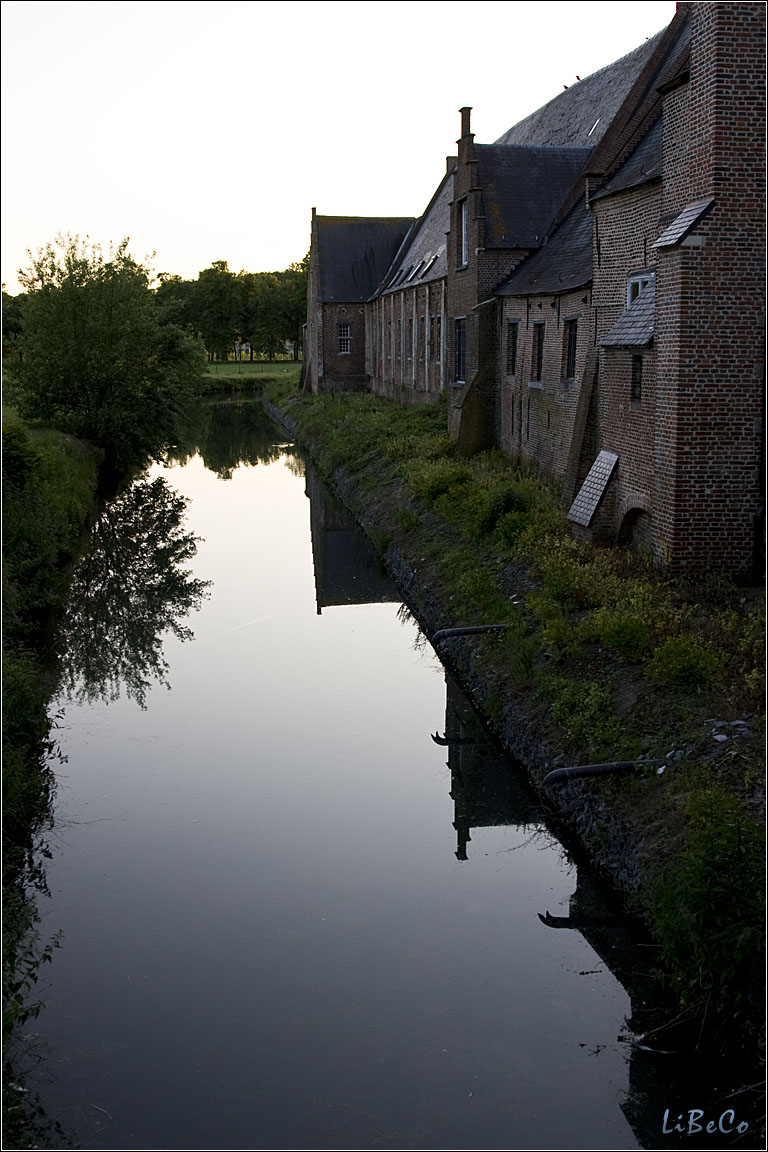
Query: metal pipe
point(446, 633)
point(577, 771)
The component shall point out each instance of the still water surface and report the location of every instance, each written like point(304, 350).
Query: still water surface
point(291, 918)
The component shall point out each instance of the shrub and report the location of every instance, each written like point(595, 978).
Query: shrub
point(708, 911)
point(20, 456)
point(433, 478)
point(624, 632)
point(684, 662)
point(584, 711)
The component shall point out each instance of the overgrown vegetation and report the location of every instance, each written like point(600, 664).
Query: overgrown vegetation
point(49, 495)
point(617, 660)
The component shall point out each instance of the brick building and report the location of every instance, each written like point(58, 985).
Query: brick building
point(588, 291)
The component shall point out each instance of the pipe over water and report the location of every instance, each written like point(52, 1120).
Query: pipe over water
point(611, 767)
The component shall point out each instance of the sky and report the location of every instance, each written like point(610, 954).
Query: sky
point(208, 131)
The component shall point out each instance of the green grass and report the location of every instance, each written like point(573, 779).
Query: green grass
point(247, 375)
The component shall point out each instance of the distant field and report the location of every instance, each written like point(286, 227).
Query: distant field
point(245, 373)
point(256, 368)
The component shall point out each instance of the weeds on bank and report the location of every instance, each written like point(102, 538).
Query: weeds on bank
point(584, 597)
point(707, 910)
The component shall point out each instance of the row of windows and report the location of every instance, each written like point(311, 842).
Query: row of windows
point(570, 339)
point(426, 341)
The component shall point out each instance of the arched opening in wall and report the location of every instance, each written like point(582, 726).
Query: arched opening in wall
point(635, 530)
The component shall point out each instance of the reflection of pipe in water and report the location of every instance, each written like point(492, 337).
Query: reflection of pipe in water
point(448, 742)
point(612, 767)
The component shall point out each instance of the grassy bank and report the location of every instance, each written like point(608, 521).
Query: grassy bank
point(49, 487)
point(603, 658)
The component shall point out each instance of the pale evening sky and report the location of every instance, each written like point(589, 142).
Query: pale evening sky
point(207, 131)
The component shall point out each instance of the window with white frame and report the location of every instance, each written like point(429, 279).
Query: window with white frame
point(345, 340)
point(636, 284)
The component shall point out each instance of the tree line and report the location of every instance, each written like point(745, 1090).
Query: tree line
point(99, 347)
point(249, 315)
point(245, 314)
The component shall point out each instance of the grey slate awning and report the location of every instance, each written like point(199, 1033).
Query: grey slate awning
point(593, 489)
point(634, 328)
point(682, 224)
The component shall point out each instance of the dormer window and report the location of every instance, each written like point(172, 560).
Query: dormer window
point(636, 284)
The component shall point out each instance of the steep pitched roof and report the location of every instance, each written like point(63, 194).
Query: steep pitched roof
point(354, 253)
point(563, 263)
point(642, 166)
point(523, 188)
point(423, 257)
point(634, 328)
point(579, 116)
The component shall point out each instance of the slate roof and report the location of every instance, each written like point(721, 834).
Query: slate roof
point(355, 252)
point(563, 263)
point(682, 224)
point(579, 116)
point(642, 166)
point(523, 189)
point(593, 489)
point(634, 328)
point(423, 257)
point(676, 66)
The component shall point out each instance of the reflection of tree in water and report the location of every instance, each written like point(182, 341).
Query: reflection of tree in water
point(129, 589)
point(229, 433)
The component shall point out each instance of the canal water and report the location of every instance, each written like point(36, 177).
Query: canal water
point(303, 900)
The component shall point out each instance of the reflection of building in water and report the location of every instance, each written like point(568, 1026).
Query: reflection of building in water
point(347, 571)
point(484, 790)
point(487, 791)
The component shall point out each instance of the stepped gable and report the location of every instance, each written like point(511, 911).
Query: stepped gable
point(355, 253)
point(523, 189)
point(424, 256)
point(563, 263)
point(579, 116)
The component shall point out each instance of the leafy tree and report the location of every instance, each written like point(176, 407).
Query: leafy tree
point(99, 359)
point(292, 302)
point(215, 304)
point(12, 324)
point(175, 299)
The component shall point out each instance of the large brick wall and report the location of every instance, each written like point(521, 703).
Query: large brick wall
point(537, 416)
point(709, 318)
point(406, 354)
